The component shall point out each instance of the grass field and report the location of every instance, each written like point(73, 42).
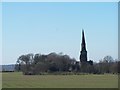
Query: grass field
point(17, 80)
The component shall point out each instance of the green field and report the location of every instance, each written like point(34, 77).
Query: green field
point(17, 80)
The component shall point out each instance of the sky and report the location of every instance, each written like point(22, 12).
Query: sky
point(44, 27)
point(60, 0)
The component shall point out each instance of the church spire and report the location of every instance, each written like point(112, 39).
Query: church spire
point(83, 55)
point(83, 45)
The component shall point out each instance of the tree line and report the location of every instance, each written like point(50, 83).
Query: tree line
point(33, 64)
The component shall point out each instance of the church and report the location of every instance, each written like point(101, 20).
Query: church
point(83, 54)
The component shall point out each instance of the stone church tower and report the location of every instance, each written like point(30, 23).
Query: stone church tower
point(83, 53)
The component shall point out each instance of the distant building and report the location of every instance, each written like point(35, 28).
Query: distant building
point(83, 53)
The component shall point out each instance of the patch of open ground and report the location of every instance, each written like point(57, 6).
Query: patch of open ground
point(17, 80)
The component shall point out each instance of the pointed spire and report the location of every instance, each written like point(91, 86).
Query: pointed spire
point(83, 55)
point(83, 37)
point(83, 41)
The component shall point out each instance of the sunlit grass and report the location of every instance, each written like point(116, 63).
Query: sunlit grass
point(17, 80)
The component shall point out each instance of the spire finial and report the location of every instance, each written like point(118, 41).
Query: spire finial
point(82, 30)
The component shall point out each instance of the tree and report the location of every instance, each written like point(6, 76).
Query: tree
point(107, 65)
point(35, 64)
point(25, 61)
point(108, 59)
